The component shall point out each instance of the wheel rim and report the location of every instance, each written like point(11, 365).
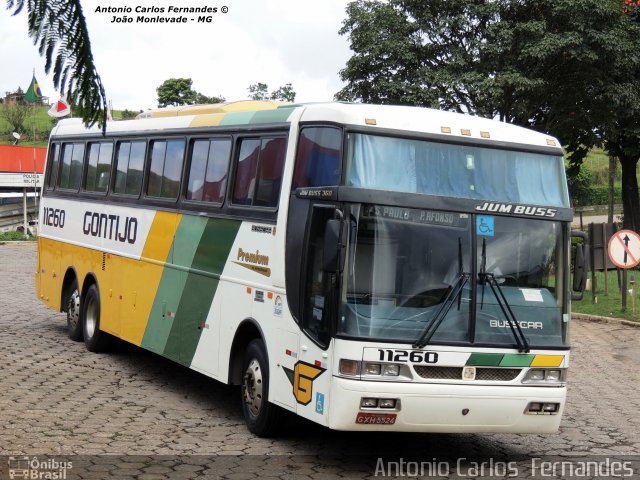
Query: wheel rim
point(91, 316)
point(73, 309)
point(252, 387)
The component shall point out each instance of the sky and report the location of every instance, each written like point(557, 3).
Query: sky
point(273, 42)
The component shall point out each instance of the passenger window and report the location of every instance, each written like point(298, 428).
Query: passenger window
point(54, 160)
point(129, 164)
point(98, 167)
point(208, 170)
point(318, 157)
point(259, 171)
point(165, 168)
point(71, 174)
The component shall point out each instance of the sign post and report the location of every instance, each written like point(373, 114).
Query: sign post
point(624, 252)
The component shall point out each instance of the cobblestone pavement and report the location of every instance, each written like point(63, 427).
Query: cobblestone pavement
point(161, 420)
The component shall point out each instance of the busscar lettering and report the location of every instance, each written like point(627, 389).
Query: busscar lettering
point(523, 324)
point(110, 227)
point(517, 209)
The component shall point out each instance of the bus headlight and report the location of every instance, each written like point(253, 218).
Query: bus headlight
point(372, 369)
point(553, 375)
point(391, 369)
point(384, 369)
point(542, 375)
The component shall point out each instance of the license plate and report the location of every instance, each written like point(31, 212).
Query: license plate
point(376, 418)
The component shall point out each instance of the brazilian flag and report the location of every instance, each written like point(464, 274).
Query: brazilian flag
point(33, 95)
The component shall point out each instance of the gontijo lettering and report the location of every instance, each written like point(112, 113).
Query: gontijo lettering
point(110, 227)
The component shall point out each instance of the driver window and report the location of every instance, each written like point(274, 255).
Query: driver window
point(320, 292)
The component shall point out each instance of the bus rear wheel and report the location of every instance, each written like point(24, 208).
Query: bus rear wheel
point(74, 325)
point(262, 417)
point(94, 339)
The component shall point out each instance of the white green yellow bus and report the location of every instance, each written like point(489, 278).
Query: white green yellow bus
point(365, 267)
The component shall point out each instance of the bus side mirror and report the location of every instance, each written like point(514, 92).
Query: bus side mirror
point(580, 266)
point(335, 242)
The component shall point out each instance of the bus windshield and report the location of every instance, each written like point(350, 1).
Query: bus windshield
point(402, 264)
point(418, 166)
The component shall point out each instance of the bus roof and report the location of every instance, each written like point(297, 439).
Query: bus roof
point(224, 107)
point(448, 125)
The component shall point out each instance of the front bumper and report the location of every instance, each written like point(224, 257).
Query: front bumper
point(447, 408)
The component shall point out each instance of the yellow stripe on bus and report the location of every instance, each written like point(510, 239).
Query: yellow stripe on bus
point(207, 120)
point(547, 361)
point(141, 278)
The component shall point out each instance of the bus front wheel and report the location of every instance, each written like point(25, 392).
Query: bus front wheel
point(94, 339)
point(262, 417)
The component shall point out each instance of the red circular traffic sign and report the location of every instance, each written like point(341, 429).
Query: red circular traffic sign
point(624, 249)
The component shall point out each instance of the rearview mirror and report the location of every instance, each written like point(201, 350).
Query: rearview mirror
point(580, 266)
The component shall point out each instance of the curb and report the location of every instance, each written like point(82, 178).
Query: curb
point(596, 319)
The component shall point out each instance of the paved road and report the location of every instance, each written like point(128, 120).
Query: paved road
point(160, 420)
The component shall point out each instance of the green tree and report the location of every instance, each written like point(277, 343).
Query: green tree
point(203, 99)
point(179, 91)
point(284, 93)
point(128, 114)
point(260, 91)
point(176, 91)
point(59, 29)
point(566, 67)
point(15, 115)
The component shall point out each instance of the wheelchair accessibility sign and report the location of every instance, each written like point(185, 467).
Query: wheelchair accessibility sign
point(484, 225)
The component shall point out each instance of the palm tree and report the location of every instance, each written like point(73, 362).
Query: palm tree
point(59, 29)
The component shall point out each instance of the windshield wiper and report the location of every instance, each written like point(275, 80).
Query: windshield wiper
point(514, 325)
point(432, 326)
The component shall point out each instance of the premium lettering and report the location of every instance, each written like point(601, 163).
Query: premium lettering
point(250, 257)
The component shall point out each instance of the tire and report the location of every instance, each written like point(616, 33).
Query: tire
point(94, 339)
point(74, 325)
point(262, 417)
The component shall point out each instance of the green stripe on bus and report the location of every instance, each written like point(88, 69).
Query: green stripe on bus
point(516, 360)
point(165, 305)
point(272, 116)
point(200, 287)
point(485, 359)
point(237, 118)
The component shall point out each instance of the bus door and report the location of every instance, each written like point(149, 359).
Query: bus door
point(312, 379)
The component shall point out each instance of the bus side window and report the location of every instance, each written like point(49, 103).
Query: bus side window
point(246, 171)
point(129, 164)
point(269, 178)
point(318, 157)
point(72, 159)
point(98, 168)
point(165, 168)
point(52, 169)
point(207, 181)
point(259, 171)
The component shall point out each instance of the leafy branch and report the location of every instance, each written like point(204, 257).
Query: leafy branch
point(59, 29)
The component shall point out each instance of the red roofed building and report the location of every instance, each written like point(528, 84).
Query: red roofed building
point(20, 176)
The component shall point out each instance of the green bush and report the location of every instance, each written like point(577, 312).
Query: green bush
point(584, 190)
point(599, 194)
point(5, 236)
point(580, 187)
